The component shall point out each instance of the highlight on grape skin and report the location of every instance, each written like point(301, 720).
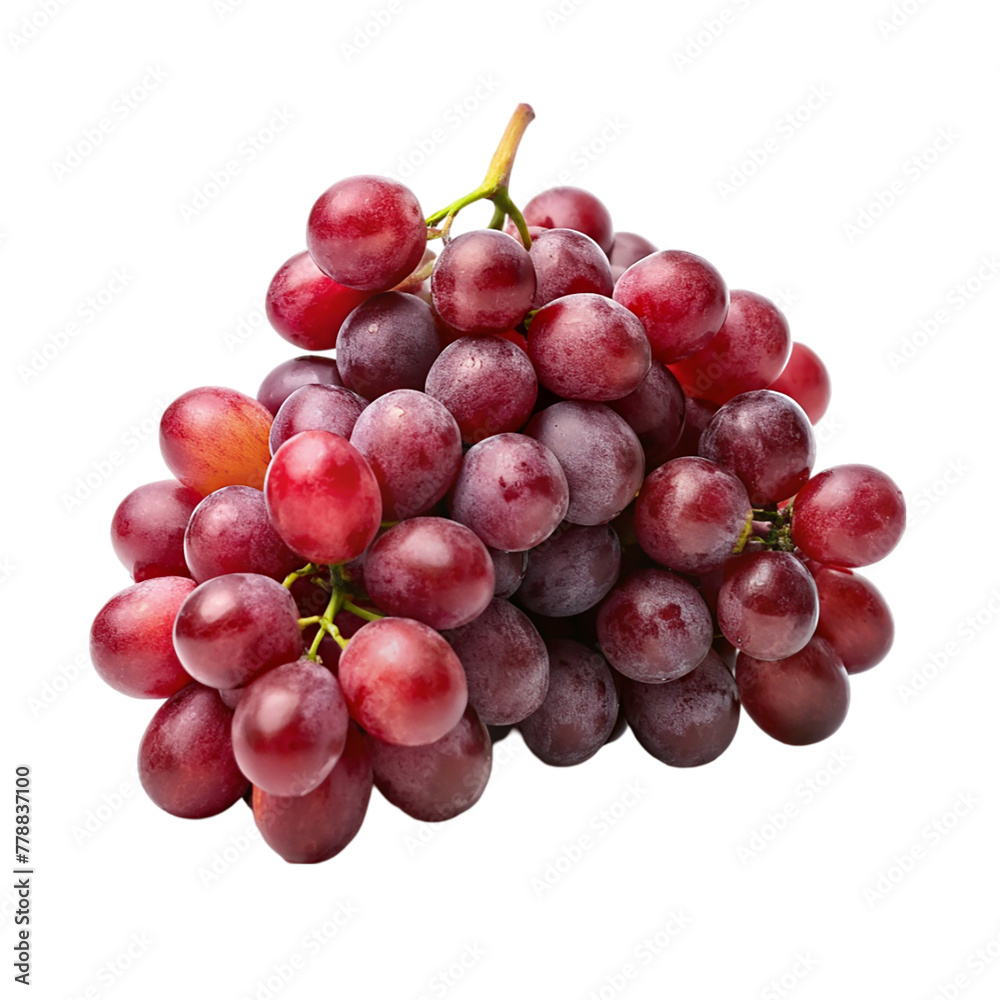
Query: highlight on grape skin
point(550, 483)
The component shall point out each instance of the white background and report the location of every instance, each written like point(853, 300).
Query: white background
point(618, 114)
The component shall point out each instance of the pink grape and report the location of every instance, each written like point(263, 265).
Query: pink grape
point(572, 208)
point(805, 378)
point(147, 530)
point(567, 262)
point(332, 408)
point(626, 250)
point(283, 380)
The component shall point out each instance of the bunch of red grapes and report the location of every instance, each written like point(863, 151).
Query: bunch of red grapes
point(552, 478)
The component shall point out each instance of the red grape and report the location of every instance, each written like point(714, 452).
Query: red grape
point(323, 497)
point(572, 208)
point(655, 411)
point(698, 415)
point(282, 381)
point(403, 682)
point(567, 261)
point(806, 380)
point(626, 250)
point(508, 571)
point(332, 408)
point(853, 617)
point(147, 530)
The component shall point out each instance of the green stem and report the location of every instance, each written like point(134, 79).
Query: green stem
point(369, 616)
point(306, 570)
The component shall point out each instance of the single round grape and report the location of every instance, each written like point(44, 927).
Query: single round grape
point(282, 381)
point(505, 661)
point(799, 700)
point(430, 569)
point(698, 415)
point(850, 515)
point(230, 532)
point(486, 383)
point(571, 571)
point(147, 530)
point(290, 727)
point(414, 448)
point(654, 627)
point(214, 437)
point(764, 438)
point(689, 721)
point(806, 379)
point(232, 628)
point(186, 762)
point(691, 514)
point(680, 298)
point(572, 208)
point(483, 282)
point(508, 571)
point(367, 232)
point(511, 491)
point(587, 346)
point(627, 249)
point(567, 262)
point(439, 780)
point(579, 710)
point(389, 342)
point(599, 453)
point(402, 681)
point(768, 605)
point(853, 617)
point(314, 827)
point(748, 352)
point(655, 411)
point(332, 408)
point(323, 497)
point(131, 640)
point(306, 307)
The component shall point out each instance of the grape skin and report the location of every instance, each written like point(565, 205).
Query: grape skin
point(332, 408)
point(565, 262)
point(147, 530)
point(572, 208)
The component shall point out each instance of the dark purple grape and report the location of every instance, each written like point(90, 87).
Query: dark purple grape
point(655, 411)
point(332, 408)
point(768, 605)
point(486, 383)
point(147, 530)
point(572, 208)
point(587, 346)
point(799, 700)
point(483, 282)
point(571, 571)
point(689, 721)
point(431, 569)
point(599, 453)
point(230, 532)
point(413, 446)
point(511, 491)
point(388, 342)
point(281, 382)
point(853, 617)
point(186, 762)
point(691, 514)
point(506, 663)
point(579, 710)
point(654, 627)
point(367, 232)
point(439, 780)
point(567, 262)
point(764, 438)
point(508, 571)
point(314, 827)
